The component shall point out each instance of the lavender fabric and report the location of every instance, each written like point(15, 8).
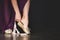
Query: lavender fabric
point(7, 14)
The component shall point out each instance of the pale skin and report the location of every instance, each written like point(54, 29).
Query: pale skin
point(24, 18)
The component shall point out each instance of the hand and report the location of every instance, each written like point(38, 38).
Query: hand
point(17, 17)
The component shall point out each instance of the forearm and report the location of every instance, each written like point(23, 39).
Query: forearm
point(26, 9)
point(15, 6)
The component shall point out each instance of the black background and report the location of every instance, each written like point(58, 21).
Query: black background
point(38, 16)
point(42, 19)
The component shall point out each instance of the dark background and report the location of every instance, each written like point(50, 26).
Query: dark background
point(38, 16)
point(42, 19)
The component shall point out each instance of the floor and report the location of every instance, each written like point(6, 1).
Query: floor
point(33, 36)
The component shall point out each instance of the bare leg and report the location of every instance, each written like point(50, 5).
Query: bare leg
point(25, 16)
point(16, 9)
point(17, 15)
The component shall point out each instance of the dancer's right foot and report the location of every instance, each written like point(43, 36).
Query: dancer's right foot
point(8, 31)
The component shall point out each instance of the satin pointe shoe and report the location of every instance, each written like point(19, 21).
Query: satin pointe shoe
point(25, 29)
point(16, 31)
point(8, 31)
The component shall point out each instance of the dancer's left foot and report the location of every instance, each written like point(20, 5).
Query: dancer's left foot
point(24, 25)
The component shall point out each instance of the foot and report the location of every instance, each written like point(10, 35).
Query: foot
point(24, 25)
point(8, 31)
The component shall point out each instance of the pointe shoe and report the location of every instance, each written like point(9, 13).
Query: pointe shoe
point(26, 30)
point(15, 30)
point(8, 31)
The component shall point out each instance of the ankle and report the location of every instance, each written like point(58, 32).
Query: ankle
point(25, 17)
